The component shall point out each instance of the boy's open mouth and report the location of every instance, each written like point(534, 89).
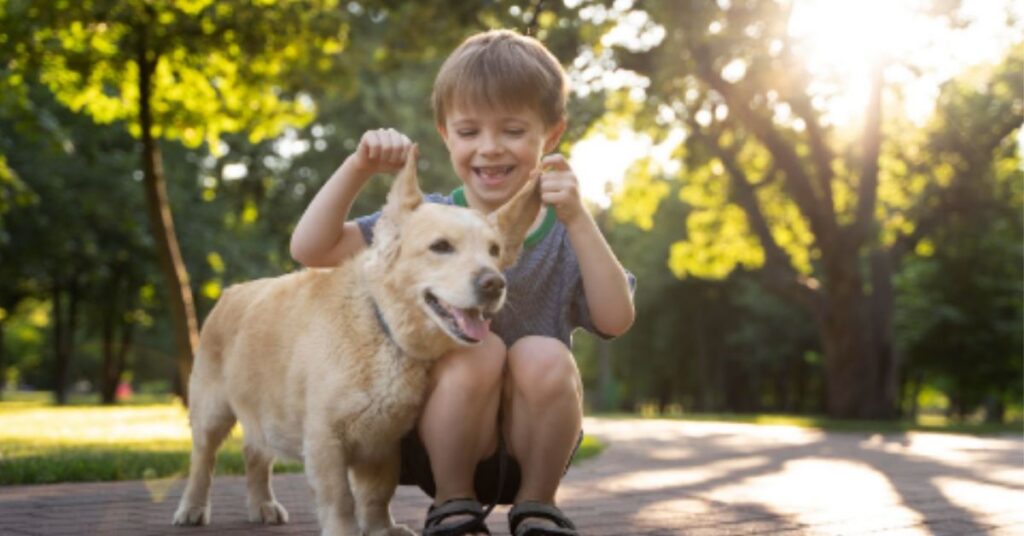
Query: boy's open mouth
point(468, 325)
point(493, 173)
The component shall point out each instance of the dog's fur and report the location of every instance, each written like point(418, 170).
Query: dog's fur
point(306, 364)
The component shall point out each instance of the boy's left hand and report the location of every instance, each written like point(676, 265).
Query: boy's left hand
point(560, 188)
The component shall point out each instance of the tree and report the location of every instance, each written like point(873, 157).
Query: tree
point(774, 188)
point(184, 70)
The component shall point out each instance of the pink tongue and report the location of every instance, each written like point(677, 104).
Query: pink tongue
point(475, 327)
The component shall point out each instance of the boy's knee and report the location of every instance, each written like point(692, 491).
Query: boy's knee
point(542, 367)
point(473, 368)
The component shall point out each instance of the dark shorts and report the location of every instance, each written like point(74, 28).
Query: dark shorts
point(416, 471)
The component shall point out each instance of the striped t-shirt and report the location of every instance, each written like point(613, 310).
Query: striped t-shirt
point(545, 293)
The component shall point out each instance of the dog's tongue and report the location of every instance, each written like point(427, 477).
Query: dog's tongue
point(471, 325)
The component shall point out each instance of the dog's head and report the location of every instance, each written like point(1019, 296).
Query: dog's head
point(436, 270)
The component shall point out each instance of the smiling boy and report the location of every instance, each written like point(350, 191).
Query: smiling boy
point(499, 104)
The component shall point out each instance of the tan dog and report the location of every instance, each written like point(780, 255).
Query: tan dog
point(330, 366)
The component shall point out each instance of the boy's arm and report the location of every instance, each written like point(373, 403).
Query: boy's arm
point(322, 237)
point(609, 300)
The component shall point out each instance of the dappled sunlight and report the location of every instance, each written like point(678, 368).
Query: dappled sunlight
point(985, 456)
point(113, 425)
point(821, 491)
point(796, 478)
point(654, 429)
point(153, 425)
point(684, 476)
point(979, 497)
point(671, 453)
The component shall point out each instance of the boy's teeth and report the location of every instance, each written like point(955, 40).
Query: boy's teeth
point(498, 170)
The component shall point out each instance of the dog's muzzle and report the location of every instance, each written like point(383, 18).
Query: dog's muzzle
point(489, 286)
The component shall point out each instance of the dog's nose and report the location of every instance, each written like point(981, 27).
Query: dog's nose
point(489, 285)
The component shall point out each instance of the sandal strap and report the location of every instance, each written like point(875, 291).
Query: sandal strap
point(519, 513)
point(436, 515)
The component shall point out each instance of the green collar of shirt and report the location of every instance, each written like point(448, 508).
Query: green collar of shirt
point(538, 234)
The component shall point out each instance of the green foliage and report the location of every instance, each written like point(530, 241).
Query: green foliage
point(217, 67)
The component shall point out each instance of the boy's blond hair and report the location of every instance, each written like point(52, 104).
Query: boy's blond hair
point(501, 70)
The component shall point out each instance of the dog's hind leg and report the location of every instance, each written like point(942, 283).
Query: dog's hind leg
point(211, 418)
point(375, 485)
point(263, 507)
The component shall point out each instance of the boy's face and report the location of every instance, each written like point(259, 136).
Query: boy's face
point(493, 152)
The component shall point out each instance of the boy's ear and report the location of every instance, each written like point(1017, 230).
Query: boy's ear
point(553, 135)
point(514, 219)
point(405, 194)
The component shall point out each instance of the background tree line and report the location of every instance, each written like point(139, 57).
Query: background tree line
point(784, 265)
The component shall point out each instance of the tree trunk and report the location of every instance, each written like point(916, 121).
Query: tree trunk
point(114, 351)
point(3, 359)
point(889, 363)
point(63, 335)
point(844, 329)
point(186, 331)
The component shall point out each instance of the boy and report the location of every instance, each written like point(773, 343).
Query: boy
point(499, 104)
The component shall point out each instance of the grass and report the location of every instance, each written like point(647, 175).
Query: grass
point(924, 423)
point(41, 443)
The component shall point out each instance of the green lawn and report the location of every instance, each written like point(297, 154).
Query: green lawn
point(41, 443)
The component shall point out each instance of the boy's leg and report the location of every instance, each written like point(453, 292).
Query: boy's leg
point(458, 426)
point(543, 415)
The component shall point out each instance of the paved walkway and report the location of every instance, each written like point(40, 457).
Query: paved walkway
point(656, 478)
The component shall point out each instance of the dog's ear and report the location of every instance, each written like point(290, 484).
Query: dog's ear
point(403, 198)
point(514, 218)
point(405, 194)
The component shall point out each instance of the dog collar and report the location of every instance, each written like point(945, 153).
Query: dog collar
point(459, 199)
point(384, 325)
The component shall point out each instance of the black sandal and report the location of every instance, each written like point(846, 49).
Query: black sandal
point(520, 526)
point(436, 515)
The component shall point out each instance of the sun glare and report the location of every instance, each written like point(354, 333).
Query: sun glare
point(841, 43)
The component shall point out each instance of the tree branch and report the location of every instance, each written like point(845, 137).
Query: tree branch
point(778, 272)
point(530, 27)
point(821, 153)
point(867, 195)
point(797, 181)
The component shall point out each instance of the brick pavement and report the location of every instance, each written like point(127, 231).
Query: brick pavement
point(657, 477)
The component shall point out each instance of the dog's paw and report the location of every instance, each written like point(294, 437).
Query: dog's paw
point(192, 515)
point(269, 513)
point(395, 530)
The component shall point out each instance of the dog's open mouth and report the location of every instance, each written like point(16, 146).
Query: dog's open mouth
point(469, 325)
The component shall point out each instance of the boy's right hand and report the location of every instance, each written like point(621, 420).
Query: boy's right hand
point(381, 150)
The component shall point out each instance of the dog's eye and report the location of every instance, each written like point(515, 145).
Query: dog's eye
point(495, 250)
point(442, 246)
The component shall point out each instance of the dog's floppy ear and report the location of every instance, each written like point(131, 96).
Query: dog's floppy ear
point(514, 218)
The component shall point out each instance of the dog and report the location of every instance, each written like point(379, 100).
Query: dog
point(330, 366)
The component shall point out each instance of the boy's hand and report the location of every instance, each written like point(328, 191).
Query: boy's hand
point(560, 188)
point(381, 150)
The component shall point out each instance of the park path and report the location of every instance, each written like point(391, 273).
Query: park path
point(657, 477)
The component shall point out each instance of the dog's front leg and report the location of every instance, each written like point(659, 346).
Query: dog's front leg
point(375, 485)
point(327, 472)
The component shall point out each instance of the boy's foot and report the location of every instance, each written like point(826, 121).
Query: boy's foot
point(456, 517)
point(535, 518)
